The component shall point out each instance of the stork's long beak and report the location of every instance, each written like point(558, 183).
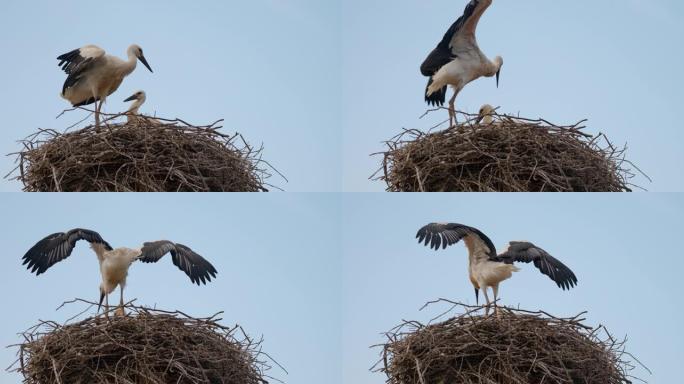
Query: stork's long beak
point(477, 296)
point(497, 77)
point(132, 97)
point(102, 295)
point(142, 60)
point(477, 121)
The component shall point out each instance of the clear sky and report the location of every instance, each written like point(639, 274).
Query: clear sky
point(270, 68)
point(623, 250)
point(614, 62)
point(278, 258)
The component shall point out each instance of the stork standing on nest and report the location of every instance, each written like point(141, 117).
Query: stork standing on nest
point(457, 60)
point(114, 263)
point(486, 268)
point(94, 75)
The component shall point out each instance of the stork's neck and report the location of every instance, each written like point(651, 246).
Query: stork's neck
point(135, 106)
point(129, 65)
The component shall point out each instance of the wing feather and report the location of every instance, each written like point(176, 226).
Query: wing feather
point(195, 266)
point(438, 235)
point(57, 247)
point(526, 252)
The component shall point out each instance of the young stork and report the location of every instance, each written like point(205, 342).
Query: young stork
point(457, 60)
point(486, 115)
point(138, 99)
point(486, 268)
point(94, 75)
point(114, 263)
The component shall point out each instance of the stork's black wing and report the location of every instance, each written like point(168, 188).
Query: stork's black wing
point(57, 247)
point(443, 54)
point(75, 63)
point(550, 266)
point(443, 234)
point(194, 265)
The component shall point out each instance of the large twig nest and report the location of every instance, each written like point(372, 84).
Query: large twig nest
point(142, 156)
point(147, 347)
point(507, 155)
point(513, 347)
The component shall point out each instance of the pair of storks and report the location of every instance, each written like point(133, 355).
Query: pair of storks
point(486, 268)
point(93, 75)
point(457, 60)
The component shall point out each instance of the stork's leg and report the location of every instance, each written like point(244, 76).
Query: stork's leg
point(121, 311)
point(495, 289)
point(107, 305)
point(452, 110)
point(97, 114)
point(487, 300)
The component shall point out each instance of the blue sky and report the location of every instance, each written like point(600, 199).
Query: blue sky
point(278, 258)
point(267, 67)
point(613, 62)
point(622, 248)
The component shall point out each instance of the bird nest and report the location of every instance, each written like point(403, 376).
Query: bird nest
point(147, 346)
point(508, 155)
point(513, 347)
point(143, 156)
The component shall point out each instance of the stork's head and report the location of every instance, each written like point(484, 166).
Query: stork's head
point(485, 114)
point(498, 63)
point(136, 51)
point(138, 96)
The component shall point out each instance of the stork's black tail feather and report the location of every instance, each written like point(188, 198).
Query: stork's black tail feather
point(437, 98)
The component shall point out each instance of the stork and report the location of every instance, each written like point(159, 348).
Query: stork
point(457, 59)
point(132, 114)
point(94, 75)
point(486, 268)
point(114, 263)
point(485, 115)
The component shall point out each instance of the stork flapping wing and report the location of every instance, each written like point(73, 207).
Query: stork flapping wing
point(75, 63)
point(194, 265)
point(527, 252)
point(57, 247)
point(443, 234)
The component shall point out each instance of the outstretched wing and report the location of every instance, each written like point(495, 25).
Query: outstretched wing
point(77, 62)
point(194, 265)
point(443, 234)
point(527, 252)
point(57, 247)
point(463, 27)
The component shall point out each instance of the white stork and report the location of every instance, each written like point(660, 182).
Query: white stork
point(486, 268)
point(94, 75)
point(138, 99)
point(457, 60)
point(114, 263)
point(485, 115)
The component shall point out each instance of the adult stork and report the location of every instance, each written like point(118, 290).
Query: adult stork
point(457, 59)
point(486, 268)
point(114, 263)
point(94, 75)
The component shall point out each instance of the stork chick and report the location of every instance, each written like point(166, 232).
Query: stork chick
point(486, 115)
point(94, 75)
point(486, 268)
point(138, 99)
point(114, 263)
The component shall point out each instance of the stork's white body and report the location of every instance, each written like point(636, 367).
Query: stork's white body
point(483, 272)
point(104, 78)
point(114, 266)
point(471, 64)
